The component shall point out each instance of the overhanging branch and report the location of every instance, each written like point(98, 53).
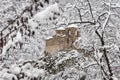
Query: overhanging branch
point(79, 13)
point(90, 9)
point(78, 22)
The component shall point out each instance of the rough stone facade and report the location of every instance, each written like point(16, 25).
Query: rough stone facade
point(62, 40)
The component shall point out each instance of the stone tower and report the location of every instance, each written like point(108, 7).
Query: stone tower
point(62, 40)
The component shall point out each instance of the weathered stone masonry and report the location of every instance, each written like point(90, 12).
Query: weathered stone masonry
point(62, 40)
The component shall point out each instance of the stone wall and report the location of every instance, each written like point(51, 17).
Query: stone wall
point(62, 40)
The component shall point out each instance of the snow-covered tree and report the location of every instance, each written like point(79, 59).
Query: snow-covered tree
point(26, 24)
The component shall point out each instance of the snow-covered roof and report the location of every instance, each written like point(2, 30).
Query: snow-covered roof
point(72, 25)
point(49, 37)
point(60, 35)
point(60, 28)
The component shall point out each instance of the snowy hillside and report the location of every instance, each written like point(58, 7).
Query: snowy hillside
point(27, 25)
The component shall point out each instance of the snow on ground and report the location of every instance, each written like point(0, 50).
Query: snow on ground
point(64, 65)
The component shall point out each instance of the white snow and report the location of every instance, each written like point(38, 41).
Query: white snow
point(7, 76)
point(72, 25)
point(48, 12)
point(116, 47)
point(49, 37)
point(27, 66)
point(43, 16)
point(38, 72)
point(114, 77)
point(98, 54)
point(106, 21)
point(18, 37)
point(61, 28)
point(11, 43)
point(15, 69)
point(7, 46)
point(42, 22)
point(30, 71)
point(71, 54)
point(32, 24)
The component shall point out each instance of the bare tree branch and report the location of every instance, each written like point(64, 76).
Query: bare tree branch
point(90, 9)
point(102, 68)
point(79, 13)
point(27, 9)
point(101, 37)
point(78, 22)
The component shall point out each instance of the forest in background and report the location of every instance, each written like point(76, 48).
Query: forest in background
point(24, 26)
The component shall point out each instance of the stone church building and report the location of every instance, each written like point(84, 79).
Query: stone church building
point(62, 40)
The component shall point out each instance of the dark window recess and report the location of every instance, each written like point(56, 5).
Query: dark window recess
point(54, 18)
point(41, 4)
point(67, 40)
point(33, 33)
point(47, 1)
point(50, 18)
point(1, 42)
point(35, 0)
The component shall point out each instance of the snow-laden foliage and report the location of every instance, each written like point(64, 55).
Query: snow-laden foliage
point(25, 25)
point(11, 43)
